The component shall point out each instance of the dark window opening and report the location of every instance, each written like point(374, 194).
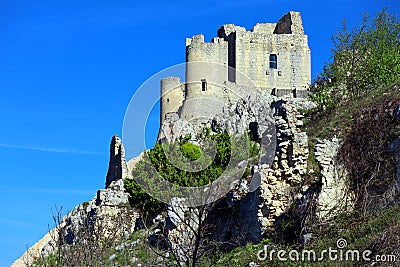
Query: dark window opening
point(273, 61)
point(167, 100)
point(203, 85)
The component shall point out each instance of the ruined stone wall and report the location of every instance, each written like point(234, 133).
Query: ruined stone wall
point(108, 208)
point(215, 52)
point(236, 91)
point(252, 49)
point(117, 167)
point(266, 28)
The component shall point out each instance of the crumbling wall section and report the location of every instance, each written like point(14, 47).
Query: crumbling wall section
point(117, 168)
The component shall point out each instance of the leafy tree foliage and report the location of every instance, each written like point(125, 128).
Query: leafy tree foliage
point(159, 160)
point(366, 57)
point(209, 168)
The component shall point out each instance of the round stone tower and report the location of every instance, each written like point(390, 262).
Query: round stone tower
point(206, 72)
point(172, 96)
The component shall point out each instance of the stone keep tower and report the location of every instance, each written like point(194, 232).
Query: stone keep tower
point(274, 56)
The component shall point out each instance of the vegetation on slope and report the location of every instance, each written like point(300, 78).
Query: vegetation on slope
point(378, 233)
point(357, 95)
point(365, 59)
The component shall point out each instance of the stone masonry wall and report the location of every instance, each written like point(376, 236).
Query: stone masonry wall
point(117, 167)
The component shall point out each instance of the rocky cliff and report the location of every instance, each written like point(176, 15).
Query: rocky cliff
point(279, 185)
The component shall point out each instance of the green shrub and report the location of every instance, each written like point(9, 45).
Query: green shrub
point(156, 161)
point(190, 151)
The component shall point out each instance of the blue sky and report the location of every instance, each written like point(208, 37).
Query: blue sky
point(68, 70)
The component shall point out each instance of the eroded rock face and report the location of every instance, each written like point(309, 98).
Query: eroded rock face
point(290, 164)
point(184, 229)
point(256, 209)
point(106, 211)
point(254, 205)
point(174, 127)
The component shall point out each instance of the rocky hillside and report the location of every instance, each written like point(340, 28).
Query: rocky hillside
point(277, 189)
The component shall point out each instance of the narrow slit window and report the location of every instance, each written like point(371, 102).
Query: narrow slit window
point(203, 85)
point(273, 61)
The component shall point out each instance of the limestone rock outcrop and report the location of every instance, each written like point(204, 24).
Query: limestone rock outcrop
point(272, 187)
point(279, 181)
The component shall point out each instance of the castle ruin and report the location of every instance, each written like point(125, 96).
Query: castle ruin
point(275, 57)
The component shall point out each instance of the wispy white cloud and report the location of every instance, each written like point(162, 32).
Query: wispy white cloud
point(53, 150)
point(56, 191)
point(18, 223)
point(64, 191)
